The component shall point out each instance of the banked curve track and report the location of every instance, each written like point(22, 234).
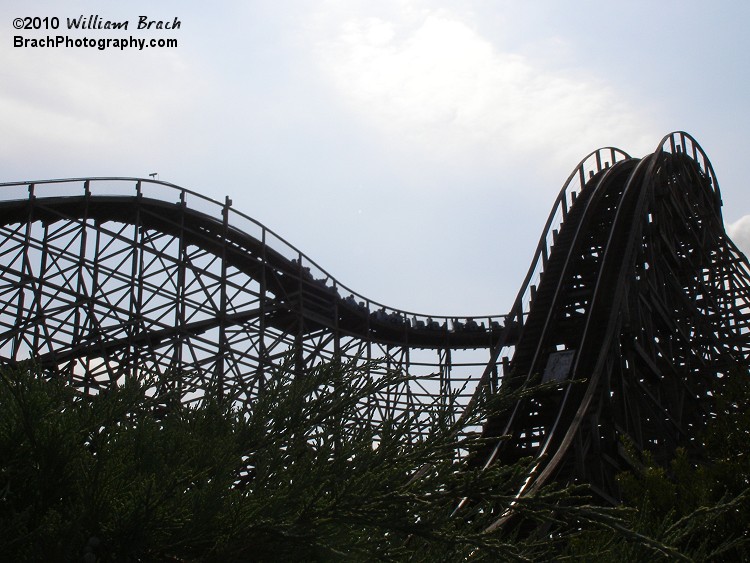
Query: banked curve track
point(636, 305)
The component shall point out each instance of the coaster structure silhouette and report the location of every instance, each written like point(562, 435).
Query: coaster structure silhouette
point(635, 310)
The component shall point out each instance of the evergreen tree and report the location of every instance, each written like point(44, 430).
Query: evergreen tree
point(693, 510)
point(126, 475)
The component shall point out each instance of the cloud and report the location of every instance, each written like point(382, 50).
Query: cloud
point(73, 104)
point(739, 232)
point(435, 83)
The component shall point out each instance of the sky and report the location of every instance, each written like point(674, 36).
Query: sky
point(412, 148)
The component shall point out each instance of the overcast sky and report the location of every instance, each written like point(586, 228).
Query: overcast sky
point(412, 148)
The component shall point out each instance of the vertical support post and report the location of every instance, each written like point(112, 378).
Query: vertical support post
point(135, 305)
point(178, 341)
point(81, 300)
point(223, 347)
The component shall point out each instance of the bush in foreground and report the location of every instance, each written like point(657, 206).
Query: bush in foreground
point(126, 476)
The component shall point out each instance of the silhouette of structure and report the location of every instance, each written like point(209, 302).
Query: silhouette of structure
point(635, 306)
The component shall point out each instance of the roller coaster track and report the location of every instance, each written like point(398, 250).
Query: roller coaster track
point(634, 309)
point(640, 319)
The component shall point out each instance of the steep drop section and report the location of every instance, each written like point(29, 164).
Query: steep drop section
point(637, 332)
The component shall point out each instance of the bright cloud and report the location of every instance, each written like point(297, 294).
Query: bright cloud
point(739, 232)
point(72, 104)
point(438, 84)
